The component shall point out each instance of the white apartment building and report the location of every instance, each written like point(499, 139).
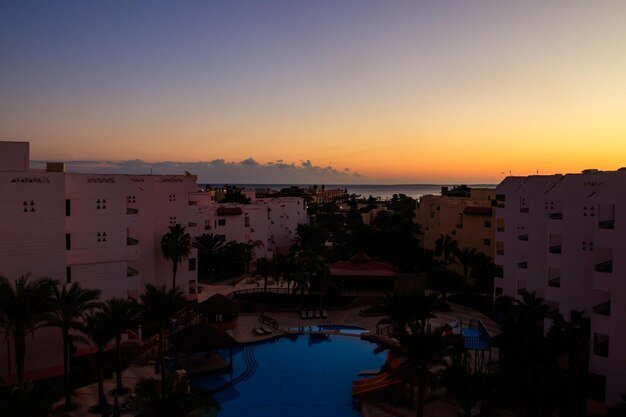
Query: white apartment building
point(104, 232)
point(564, 236)
point(271, 221)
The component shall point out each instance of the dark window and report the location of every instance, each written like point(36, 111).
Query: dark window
point(68, 207)
point(68, 274)
point(221, 222)
point(487, 223)
point(498, 291)
point(68, 241)
point(486, 242)
point(192, 264)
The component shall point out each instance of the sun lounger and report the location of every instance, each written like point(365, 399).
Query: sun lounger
point(318, 315)
point(266, 329)
point(259, 331)
point(310, 314)
point(324, 314)
point(303, 315)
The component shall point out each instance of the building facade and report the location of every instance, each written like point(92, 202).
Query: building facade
point(564, 237)
point(104, 232)
point(469, 220)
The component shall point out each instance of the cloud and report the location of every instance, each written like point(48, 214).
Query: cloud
point(220, 171)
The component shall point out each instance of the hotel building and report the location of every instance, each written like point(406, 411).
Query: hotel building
point(564, 237)
point(104, 232)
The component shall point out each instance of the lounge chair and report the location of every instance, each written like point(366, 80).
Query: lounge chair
point(318, 315)
point(310, 314)
point(303, 315)
point(324, 314)
point(266, 329)
point(259, 331)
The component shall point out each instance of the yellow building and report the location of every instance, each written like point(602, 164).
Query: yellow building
point(469, 220)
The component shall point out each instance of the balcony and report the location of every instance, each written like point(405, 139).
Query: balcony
point(131, 241)
point(555, 282)
point(555, 216)
point(500, 229)
point(524, 210)
point(192, 224)
point(192, 203)
point(130, 210)
point(606, 224)
point(555, 249)
point(131, 272)
point(522, 265)
point(523, 238)
point(500, 252)
point(603, 309)
point(606, 267)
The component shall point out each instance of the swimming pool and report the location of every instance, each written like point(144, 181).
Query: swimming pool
point(305, 375)
point(330, 327)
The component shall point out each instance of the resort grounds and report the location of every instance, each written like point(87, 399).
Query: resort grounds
point(374, 406)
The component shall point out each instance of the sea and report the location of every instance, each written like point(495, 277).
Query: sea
point(384, 191)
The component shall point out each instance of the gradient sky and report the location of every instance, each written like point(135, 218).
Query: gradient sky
point(396, 91)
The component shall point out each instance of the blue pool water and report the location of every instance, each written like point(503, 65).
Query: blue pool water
point(299, 375)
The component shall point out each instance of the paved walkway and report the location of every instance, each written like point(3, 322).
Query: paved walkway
point(244, 333)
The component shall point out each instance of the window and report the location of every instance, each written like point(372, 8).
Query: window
point(498, 291)
point(221, 222)
point(68, 207)
point(68, 274)
point(247, 221)
point(192, 264)
point(487, 224)
point(487, 242)
point(68, 241)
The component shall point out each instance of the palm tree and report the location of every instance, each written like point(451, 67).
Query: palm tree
point(69, 304)
point(159, 305)
point(410, 308)
point(445, 246)
point(99, 332)
point(123, 315)
point(176, 247)
point(23, 309)
point(263, 267)
point(467, 258)
point(210, 247)
point(422, 351)
point(176, 399)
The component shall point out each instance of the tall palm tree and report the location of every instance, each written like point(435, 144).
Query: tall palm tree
point(176, 247)
point(263, 267)
point(422, 351)
point(69, 304)
point(444, 247)
point(176, 399)
point(210, 247)
point(159, 305)
point(23, 309)
point(467, 257)
point(123, 315)
point(99, 332)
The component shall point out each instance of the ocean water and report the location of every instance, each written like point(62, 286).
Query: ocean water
point(375, 190)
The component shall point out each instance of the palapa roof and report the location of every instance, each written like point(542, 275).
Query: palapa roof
point(361, 265)
point(218, 303)
point(201, 338)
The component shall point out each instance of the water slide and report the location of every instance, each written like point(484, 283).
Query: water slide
point(382, 381)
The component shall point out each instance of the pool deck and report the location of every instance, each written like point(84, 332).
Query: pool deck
point(244, 333)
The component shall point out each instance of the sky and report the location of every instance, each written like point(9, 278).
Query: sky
point(302, 91)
